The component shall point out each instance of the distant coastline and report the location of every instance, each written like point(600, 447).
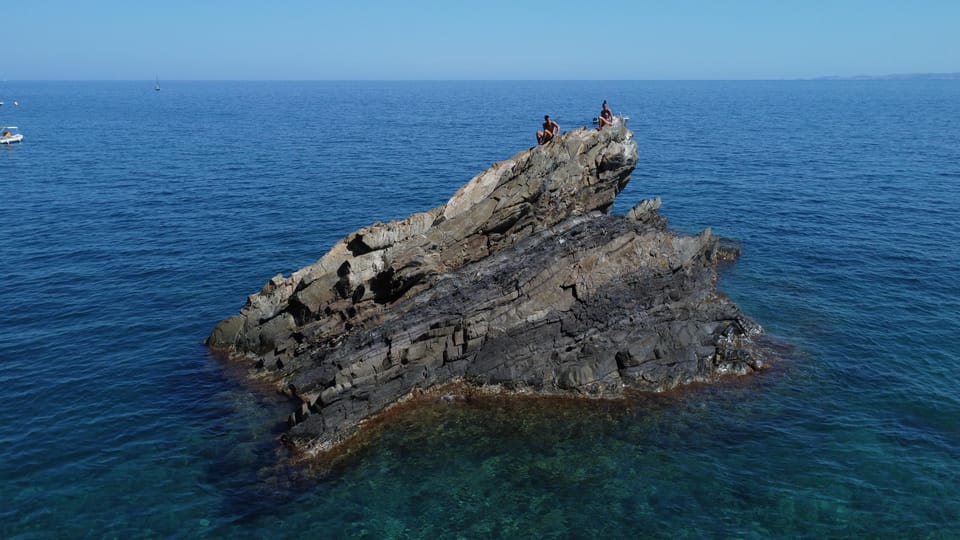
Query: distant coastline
point(895, 77)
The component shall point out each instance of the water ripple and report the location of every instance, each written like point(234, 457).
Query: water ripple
point(120, 256)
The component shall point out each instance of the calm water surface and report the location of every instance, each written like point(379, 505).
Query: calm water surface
point(132, 221)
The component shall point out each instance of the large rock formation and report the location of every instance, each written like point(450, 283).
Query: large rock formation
point(522, 281)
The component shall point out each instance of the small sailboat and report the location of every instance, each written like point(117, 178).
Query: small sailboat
point(157, 86)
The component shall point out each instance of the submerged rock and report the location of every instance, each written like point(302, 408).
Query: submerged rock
point(522, 281)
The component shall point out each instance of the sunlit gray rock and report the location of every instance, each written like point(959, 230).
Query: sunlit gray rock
point(521, 282)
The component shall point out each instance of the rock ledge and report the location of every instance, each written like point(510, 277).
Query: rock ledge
point(523, 281)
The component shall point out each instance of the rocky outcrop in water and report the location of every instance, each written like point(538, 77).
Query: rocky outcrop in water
point(522, 281)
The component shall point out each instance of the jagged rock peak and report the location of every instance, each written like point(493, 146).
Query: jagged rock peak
point(522, 281)
point(576, 173)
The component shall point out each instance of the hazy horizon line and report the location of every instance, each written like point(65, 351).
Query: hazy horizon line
point(893, 76)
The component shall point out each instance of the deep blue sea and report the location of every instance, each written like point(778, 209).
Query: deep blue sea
point(132, 221)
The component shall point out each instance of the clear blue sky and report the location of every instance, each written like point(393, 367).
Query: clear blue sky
point(484, 39)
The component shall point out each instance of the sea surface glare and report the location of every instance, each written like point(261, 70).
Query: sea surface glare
point(132, 221)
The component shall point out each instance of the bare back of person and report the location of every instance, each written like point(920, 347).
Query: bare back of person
point(550, 130)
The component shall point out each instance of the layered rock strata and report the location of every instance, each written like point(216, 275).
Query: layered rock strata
point(522, 281)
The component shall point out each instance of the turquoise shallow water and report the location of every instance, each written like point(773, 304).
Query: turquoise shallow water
point(132, 221)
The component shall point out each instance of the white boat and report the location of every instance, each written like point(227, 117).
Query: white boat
point(157, 87)
point(9, 135)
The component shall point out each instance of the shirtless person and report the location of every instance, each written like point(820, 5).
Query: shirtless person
point(550, 130)
point(606, 117)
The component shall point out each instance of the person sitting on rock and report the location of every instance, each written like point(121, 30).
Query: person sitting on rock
point(606, 117)
point(550, 130)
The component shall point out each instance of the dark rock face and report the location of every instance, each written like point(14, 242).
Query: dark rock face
point(521, 282)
